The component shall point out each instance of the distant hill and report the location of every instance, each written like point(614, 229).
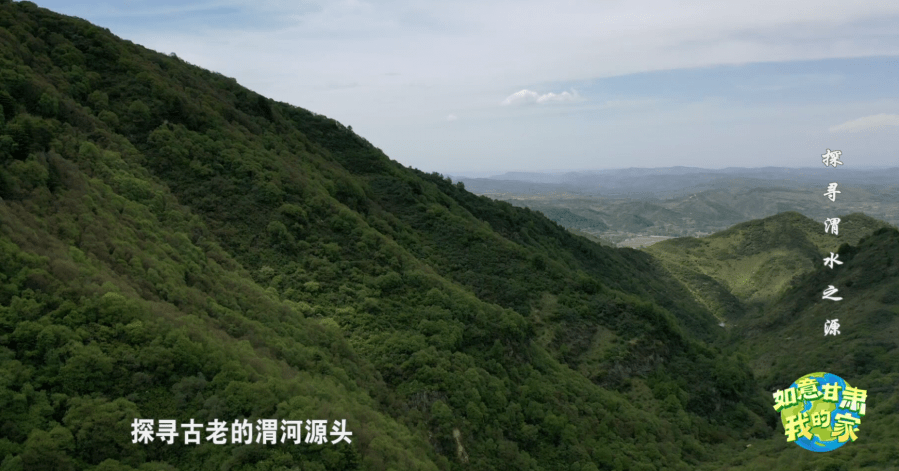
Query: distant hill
point(682, 201)
point(673, 182)
point(703, 212)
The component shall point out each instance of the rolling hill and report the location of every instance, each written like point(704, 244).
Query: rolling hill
point(694, 210)
point(749, 265)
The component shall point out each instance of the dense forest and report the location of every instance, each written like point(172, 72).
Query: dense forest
point(175, 246)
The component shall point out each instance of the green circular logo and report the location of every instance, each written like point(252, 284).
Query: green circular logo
point(820, 411)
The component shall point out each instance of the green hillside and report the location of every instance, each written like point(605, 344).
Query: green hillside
point(175, 246)
point(786, 341)
point(765, 278)
point(749, 265)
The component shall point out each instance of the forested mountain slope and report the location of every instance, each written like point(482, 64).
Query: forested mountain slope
point(785, 341)
point(750, 265)
point(175, 246)
point(765, 279)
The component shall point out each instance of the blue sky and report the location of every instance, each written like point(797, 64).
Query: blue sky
point(481, 87)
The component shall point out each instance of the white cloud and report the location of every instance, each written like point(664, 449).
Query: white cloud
point(530, 96)
point(553, 98)
point(501, 43)
point(524, 96)
point(868, 122)
point(392, 67)
point(451, 117)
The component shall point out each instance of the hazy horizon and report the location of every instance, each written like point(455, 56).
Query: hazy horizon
point(488, 174)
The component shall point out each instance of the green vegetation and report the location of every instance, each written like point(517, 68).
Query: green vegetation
point(751, 264)
point(785, 341)
point(765, 278)
point(175, 246)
